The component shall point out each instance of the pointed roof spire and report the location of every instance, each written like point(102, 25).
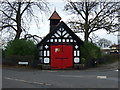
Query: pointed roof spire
point(55, 15)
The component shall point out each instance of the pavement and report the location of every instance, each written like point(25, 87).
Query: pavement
point(100, 67)
point(103, 67)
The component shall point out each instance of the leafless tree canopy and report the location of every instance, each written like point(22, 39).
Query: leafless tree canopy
point(17, 15)
point(93, 16)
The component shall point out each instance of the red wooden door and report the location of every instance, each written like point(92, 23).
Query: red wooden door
point(61, 56)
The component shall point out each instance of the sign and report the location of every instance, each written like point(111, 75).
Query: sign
point(26, 63)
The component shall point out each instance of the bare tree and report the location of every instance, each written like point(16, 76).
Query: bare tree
point(104, 42)
point(93, 16)
point(17, 15)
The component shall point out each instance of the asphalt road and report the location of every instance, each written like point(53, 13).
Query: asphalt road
point(33, 78)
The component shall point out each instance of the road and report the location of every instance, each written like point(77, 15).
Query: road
point(34, 78)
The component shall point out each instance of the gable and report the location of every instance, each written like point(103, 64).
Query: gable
point(62, 33)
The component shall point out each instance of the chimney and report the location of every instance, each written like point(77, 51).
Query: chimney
point(54, 20)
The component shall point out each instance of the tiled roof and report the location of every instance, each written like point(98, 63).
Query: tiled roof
point(55, 16)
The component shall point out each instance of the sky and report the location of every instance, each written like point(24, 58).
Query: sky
point(43, 29)
point(59, 6)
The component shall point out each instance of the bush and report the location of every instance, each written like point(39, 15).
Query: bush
point(110, 58)
point(90, 52)
point(21, 50)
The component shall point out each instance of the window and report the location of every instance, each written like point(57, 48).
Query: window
point(78, 53)
point(51, 40)
point(48, 53)
point(63, 40)
point(71, 40)
point(40, 53)
point(74, 53)
point(55, 40)
point(47, 40)
point(67, 40)
point(62, 29)
point(76, 60)
point(74, 41)
point(46, 60)
point(53, 36)
point(59, 40)
point(41, 47)
point(44, 53)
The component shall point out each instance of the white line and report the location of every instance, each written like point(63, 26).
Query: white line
point(101, 77)
point(78, 76)
point(117, 70)
point(27, 81)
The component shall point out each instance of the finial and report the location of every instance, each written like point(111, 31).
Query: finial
point(55, 9)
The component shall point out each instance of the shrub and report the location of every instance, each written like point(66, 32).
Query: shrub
point(21, 50)
point(90, 51)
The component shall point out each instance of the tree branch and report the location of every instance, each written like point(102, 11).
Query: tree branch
point(8, 16)
point(11, 6)
point(74, 6)
point(25, 8)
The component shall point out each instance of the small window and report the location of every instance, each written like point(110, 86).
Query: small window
point(74, 53)
point(76, 60)
point(40, 53)
point(47, 40)
point(67, 40)
point(74, 41)
point(71, 40)
point(41, 47)
point(53, 36)
point(48, 53)
point(62, 29)
point(63, 40)
point(78, 53)
point(59, 40)
point(44, 53)
point(51, 40)
point(46, 60)
point(55, 40)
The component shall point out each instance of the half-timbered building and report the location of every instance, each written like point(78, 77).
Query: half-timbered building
point(60, 49)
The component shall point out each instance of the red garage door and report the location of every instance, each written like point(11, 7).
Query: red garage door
point(61, 56)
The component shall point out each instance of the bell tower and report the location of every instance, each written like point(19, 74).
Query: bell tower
point(54, 20)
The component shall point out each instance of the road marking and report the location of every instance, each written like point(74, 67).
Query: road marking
point(28, 81)
point(101, 77)
point(78, 76)
point(117, 70)
point(49, 71)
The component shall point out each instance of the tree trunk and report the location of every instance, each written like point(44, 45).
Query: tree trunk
point(18, 21)
point(17, 36)
point(86, 22)
point(86, 36)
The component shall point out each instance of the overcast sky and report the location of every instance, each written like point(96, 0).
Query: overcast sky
point(59, 5)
